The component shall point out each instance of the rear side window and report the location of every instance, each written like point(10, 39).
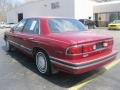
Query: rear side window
point(32, 26)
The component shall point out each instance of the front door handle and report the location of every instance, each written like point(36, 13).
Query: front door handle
point(31, 38)
point(14, 35)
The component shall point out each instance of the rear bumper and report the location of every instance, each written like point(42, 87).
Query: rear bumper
point(77, 68)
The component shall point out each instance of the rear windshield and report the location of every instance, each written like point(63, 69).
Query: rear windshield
point(65, 25)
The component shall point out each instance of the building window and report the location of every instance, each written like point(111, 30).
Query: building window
point(114, 16)
point(55, 5)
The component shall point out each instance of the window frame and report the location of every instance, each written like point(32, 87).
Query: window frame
point(16, 31)
point(52, 31)
point(32, 19)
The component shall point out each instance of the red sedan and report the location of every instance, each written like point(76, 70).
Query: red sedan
point(61, 44)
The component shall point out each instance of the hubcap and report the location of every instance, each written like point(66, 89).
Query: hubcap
point(41, 62)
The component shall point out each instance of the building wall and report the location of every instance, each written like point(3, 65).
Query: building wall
point(12, 16)
point(106, 13)
point(107, 7)
point(84, 9)
point(43, 8)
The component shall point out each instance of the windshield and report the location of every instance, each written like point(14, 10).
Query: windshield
point(65, 25)
point(116, 21)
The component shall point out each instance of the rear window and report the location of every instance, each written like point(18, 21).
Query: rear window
point(65, 25)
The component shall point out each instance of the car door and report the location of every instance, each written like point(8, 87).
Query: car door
point(15, 34)
point(29, 35)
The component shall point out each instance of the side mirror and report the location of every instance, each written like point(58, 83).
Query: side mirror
point(12, 30)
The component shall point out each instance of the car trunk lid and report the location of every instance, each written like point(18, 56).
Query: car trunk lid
point(79, 37)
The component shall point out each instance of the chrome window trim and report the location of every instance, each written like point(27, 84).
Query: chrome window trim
point(38, 21)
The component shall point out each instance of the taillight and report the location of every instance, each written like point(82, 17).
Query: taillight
point(108, 43)
point(89, 47)
point(105, 44)
point(74, 50)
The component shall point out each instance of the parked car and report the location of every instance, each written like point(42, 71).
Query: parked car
point(88, 23)
point(2, 24)
point(10, 25)
point(6, 25)
point(61, 44)
point(115, 25)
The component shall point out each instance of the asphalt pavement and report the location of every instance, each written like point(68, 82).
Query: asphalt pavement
point(18, 72)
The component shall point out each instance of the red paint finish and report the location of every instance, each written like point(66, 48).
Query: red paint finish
point(83, 70)
point(67, 50)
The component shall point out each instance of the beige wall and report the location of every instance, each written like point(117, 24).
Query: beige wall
point(43, 8)
point(104, 11)
point(79, 9)
point(2, 17)
point(107, 7)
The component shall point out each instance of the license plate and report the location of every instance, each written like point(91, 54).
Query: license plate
point(99, 45)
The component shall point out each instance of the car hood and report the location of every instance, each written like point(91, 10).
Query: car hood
point(78, 37)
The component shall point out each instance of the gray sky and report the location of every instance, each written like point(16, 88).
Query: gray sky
point(23, 1)
point(16, 2)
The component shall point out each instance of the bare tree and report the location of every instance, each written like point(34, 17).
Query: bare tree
point(6, 5)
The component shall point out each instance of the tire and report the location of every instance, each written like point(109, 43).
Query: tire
point(43, 63)
point(8, 46)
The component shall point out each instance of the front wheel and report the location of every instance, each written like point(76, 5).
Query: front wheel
point(8, 46)
point(43, 63)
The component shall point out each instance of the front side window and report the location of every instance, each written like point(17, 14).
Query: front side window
point(32, 26)
point(20, 26)
point(65, 25)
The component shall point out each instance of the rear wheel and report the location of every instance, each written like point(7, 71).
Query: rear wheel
point(43, 63)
